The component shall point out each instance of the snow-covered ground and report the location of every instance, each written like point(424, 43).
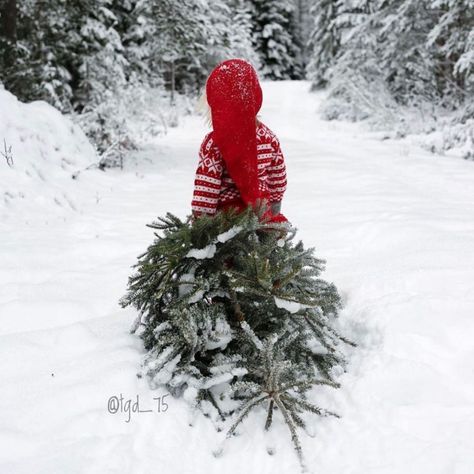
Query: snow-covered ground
point(396, 226)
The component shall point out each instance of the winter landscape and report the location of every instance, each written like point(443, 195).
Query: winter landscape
point(386, 199)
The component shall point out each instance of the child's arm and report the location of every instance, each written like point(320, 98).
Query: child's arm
point(276, 178)
point(207, 183)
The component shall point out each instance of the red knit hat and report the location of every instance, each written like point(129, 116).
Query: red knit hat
point(235, 97)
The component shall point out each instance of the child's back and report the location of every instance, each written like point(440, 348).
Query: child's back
point(240, 161)
point(214, 189)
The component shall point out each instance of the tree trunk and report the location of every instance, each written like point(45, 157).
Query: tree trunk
point(8, 31)
point(9, 20)
point(173, 82)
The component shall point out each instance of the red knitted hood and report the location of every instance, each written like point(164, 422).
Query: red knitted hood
point(235, 97)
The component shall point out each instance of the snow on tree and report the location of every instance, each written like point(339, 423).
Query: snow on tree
point(324, 41)
point(395, 54)
point(34, 50)
point(238, 31)
point(99, 51)
point(276, 40)
point(453, 40)
point(8, 32)
point(407, 64)
point(184, 33)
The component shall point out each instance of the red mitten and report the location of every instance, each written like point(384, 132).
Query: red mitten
point(279, 218)
point(269, 217)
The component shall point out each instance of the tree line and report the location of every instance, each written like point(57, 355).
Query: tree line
point(408, 51)
point(374, 56)
point(71, 52)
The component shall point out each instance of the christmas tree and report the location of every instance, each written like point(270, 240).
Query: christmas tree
point(234, 316)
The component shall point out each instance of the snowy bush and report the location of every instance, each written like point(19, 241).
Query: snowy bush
point(127, 118)
point(451, 133)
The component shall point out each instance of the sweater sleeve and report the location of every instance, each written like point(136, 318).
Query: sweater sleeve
point(207, 182)
point(277, 174)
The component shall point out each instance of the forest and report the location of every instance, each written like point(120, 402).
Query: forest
point(389, 61)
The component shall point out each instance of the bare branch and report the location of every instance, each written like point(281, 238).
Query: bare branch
point(7, 153)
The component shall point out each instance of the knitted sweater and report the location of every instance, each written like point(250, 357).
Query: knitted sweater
point(214, 188)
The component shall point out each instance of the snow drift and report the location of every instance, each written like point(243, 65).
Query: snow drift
point(46, 149)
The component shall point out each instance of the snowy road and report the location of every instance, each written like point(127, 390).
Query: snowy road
point(396, 226)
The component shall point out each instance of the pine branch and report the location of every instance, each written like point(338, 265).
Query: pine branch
point(269, 419)
point(306, 384)
point(305, 405)
point(291, 426)
point(239, 315)
point(7, 153)
point(244, 412)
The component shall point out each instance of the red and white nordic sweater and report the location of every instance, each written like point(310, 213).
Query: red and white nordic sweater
point(214, 188)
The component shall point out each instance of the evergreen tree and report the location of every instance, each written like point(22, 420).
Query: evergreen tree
point(394, 53)
point(324, 42)
point(8, 32)
point(98, 52)
point(233, 314)
point(67, 53)
point(303, 27)
point(452, 38)
point(76, 54)
point(183, 33)
point(407, 64)
point(36, 69)
point(276, 40)
point(238, 31)
point(136, 27)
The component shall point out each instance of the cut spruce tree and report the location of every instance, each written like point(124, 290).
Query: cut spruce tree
point(234, 316)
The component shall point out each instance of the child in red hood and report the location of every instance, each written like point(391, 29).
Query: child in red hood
point(240, 161)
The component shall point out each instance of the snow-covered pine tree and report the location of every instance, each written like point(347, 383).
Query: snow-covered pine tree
point(324, 41)
point(8, 33)
point(98, 50)
point(355, 75)
point(303, 27)
point(68, 54)
point(233, 312)
point(183, 32)
point(276, 40)
point(237, 37)
point(452, 39)
point(395, 53)
point(34, 53)
point(195, 35)
point(135, 26)
point(228, 24)
point(100, 74)
point(407, 64)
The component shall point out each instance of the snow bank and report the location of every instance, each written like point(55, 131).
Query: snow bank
point(46, 149)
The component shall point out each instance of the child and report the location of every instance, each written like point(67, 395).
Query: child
point(240, 161)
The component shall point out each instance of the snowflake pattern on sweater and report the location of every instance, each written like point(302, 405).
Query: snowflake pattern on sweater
point(213, 187)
